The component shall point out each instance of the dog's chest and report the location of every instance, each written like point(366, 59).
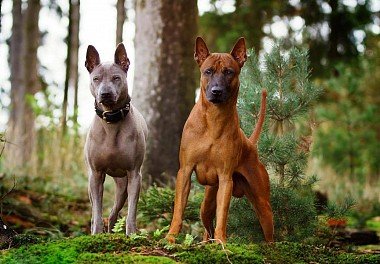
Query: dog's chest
point(213, 160)
point(114, 154)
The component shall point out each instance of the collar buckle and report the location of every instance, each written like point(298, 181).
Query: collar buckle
point(105, 117)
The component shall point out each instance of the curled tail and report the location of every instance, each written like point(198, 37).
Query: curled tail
point(256, 132)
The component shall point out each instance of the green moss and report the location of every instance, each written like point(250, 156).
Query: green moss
point(121, 258)
point(285, 252)
point(215, 254)
point(68, 250)
point(117, 248)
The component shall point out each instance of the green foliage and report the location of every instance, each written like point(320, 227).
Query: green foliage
point(363, 214)
point(286, 252)
point(159, 232)
point(336, 210)
point(348, 140)
point(156, 207)
point(119, 225)
point(189, 239)
point(114, 248)
point(294, 216)
point(121, 258)
point(285, 75)
point(253, 19)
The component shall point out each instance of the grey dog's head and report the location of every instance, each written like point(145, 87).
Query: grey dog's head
point(108, 80)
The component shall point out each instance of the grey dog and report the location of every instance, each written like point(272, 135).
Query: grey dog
point(116, 141)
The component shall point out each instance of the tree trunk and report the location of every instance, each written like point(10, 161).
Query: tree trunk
point(120, 18)
point(15, 61)
point(1, 13)
point(74, 55)
point(71, 79)
point(164, 84)
point(68, 71)
point(26, 78)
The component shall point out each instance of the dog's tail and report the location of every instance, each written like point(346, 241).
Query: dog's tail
point(256, 132)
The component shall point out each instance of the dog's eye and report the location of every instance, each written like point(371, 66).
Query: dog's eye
point(95, 79)
point(116, 78)
point(228, 72)
point(208, 71)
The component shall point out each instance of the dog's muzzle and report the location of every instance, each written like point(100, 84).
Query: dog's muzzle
point(107, 99)
point(216, 94)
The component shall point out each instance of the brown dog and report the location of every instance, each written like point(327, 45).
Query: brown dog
point(214, 146)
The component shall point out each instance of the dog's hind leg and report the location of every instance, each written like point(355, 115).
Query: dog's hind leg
point(258, 193)
point(208, 211)
point(134, 185)
point(120, 198)
point(95, 191)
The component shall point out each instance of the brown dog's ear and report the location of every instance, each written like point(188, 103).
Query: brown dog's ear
point(121, 57)
point(239, 52)
point(92, 58)
point(200, 51)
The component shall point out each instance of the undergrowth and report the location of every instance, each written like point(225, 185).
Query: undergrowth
point(143, 248)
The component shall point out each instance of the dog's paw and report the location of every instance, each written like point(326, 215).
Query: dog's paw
point(170, 238)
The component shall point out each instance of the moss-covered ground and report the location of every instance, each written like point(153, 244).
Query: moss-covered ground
point(116, 248)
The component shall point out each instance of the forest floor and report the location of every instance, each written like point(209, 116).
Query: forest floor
point(54, 229)
point(117, 248)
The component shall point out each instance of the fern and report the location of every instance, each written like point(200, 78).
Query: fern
point(119, 226)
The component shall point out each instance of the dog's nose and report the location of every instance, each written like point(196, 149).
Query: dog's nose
point(105, 95)
point(216, 90)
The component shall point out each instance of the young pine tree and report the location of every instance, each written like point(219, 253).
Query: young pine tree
point(285, 76)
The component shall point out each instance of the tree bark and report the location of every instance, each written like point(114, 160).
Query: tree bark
point(15, 61)
point(120, 19)
point(164, 84)
point(74, 55)
point(1, 14)
point(71, 79)
point(25, 84)
point(68, 71)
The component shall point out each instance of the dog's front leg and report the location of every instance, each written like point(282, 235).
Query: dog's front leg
point(223, 199)
point(134, 185)
point(182, 190)
point(95, 191)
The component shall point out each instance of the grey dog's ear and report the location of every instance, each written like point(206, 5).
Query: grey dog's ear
point(239, 52)
point(121, 57)
point(92, 58)
point(200, 51)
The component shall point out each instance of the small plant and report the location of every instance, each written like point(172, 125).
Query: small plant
point(340, 210)
point(159, 232)
point(189, 239)
point(156, 207)
point(135, 236)
point(119, 226)
point(337, 213)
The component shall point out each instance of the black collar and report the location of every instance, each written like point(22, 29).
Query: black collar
point(114, 115)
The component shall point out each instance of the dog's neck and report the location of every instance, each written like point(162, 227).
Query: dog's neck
point(115, 114)
point(223, 115)
point(120, 104)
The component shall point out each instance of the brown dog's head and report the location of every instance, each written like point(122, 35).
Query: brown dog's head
point(108, 80)
point(220, 71)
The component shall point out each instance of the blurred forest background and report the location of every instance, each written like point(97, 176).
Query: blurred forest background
point(42, 139)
